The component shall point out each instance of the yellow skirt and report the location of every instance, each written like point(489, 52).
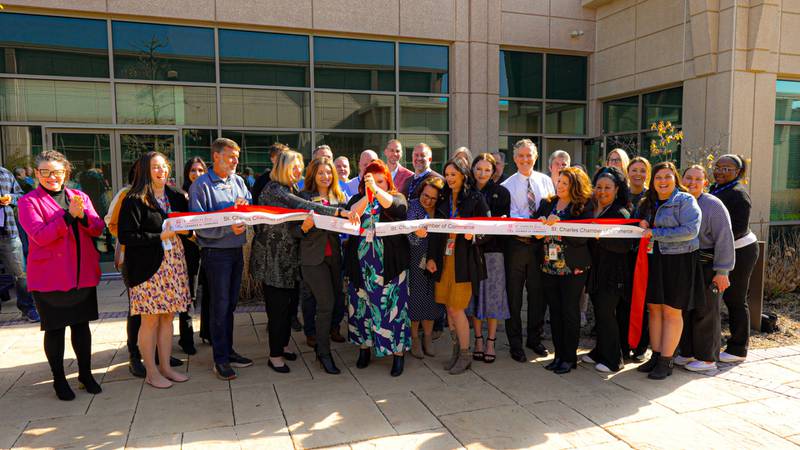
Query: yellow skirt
point(447, 291)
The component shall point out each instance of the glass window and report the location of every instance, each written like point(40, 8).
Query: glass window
point(54, 101)
point(565, 118)
point(787, 100)
point(352, 144)
point(423, 68)
point(134, 145)
point(166, 105)
point(437, 142)
point(146, 51)
point(197, 142)
point(785, 203)
point(255, 146)
point(248, 57)
point(566, 77)
point(627, 142)
point(621, 115)
point(20, 145)
point(520, 117)
point(354, 111)
point(47, 45)
point(520, 74)
point(664, 105)
point(353, 64)
point(423, 113)
point(263, 108)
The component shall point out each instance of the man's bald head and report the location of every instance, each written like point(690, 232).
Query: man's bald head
point(367, 156)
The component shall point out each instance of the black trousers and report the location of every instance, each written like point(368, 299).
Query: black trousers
point(563, 294)
point(325, 281)
point(281, 305)
point(523, 271)
point(608, 348)
point(624, 320)
point(701, 326)
point(205, 301)
point(736, 299)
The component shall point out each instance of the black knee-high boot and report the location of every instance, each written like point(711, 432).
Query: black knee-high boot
point(186, 329)
point(54, 350)
point(82, 345)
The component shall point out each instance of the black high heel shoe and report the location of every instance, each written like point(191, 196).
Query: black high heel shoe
point(565, 367)
point(290, 356)
point(397, 365)
point(364, 355)
point(553, 364)
point(280, 369)
point(326, 361)
point(89, 384)
point(63, 391)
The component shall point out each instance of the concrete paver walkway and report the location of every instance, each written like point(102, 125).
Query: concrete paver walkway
point(500, 405)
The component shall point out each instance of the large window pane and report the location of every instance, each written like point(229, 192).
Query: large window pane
point(20, 145)
point(354, 111)
point(423, 113)
point(352, 144)
point(520, 74)
point(506, 147)
point(133, 146)
point(255, 146)
point(353, 64)
point(47, 45)
point(55, 101)
point(565, 118)
point(627, 142)
point(787, 100)
point(437, 142)
point(621, 115)
point(785, 204)
point(423, 68)
point(566, 77)
point(662, 105)
point(248, 57)
point(166, 105)
point(520, 117)
point(197, 142)
point(146, 51)
point(262, 108)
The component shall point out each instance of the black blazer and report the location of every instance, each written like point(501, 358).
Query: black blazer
point(576, 250)
point(312, 244)
point(611, 269)
point(470, 263)
point(395, 248)
point(140, 233)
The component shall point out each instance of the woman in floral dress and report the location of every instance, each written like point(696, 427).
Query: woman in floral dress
point(378, 272)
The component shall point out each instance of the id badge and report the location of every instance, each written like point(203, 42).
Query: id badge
point(370, 235)
point(650, 246)
point(167, 244)
point(451, 247)
point(552, 252)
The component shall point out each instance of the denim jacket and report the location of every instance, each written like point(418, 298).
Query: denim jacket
point(677, 224)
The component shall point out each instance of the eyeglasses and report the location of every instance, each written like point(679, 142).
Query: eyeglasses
point(428, 197)
point(614, 160)
point(725, 169)
point(47, 173)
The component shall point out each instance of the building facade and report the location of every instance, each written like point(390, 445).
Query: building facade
point(105, 80)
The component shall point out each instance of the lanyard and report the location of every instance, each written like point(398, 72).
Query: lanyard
point(717, 189)
point(453, 209)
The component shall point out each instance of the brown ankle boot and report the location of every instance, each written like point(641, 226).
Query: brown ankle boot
point(427, 346)
point(463, 362)
point(454, 355)
point(416, 348)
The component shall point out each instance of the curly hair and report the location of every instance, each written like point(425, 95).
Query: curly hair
point(580, 189)
point(616, 176)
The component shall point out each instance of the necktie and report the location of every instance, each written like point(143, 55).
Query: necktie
point(531, 198)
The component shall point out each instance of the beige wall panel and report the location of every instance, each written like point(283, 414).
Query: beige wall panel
point(570, 9)
point(790, 38)
point(660, 49)
point(616, 29)
point(725, 4)
point(380, 17)
point(703, 35)
point(789, 65)
point(717, 109)
point(493, 69)
point(615, 62)
point(726, 28)
point(792, 6)
point(525, 30)
point(286, 13)
point(763, 27)
point(540, 7)
point(742, 123)
point(614, 7)
point(694, 113)
point(428, 19)
point(477, 123)
point(560, 38)
point(494, 24)
point(763, 135)
point(459, 67)
point(657, 15)
point(478, 11)
point(183, 9)
point(459, 115)
point(762, 61)
point(462, 20)
point(492, 123)
point(83, 5)
point(660, 77)
point(477, 67)
point(724, 61)
point(615, 88)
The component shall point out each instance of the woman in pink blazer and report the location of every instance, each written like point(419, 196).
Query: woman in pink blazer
point(63, 267)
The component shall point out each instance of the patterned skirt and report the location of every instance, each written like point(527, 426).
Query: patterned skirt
point(167, 291)
point(491, 300)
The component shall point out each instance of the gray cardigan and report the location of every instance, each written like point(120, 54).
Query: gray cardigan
point(716, 234)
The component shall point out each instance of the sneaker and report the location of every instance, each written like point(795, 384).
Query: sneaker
point(682, 360)
point(600, 367)
point(587, 359)
point(31, 316)
point(224, 371)
point(239, 361)
point(728, 358)
point(701, 366)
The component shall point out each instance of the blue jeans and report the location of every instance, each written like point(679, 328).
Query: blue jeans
point(308, 305)
point(223, 268)
point(13, 260)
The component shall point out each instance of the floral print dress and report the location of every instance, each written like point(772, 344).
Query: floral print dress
point(378, 311)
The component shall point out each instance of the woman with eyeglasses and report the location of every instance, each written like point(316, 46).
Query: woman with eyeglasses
point(63, 267)
point(729, 172)
point(618, 158)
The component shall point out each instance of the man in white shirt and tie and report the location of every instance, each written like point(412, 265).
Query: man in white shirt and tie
point(523, 253)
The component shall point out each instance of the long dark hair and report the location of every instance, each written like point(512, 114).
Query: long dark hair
point(649, 202)
point(616, 176)
point(187, 168)
point(142, 188)
point(462, 167)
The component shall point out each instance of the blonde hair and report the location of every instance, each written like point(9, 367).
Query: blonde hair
point(310, 183)
point(648, 169)
point(623, 155)
point(282, 172)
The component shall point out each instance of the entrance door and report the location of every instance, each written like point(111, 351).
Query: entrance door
point(133, 144)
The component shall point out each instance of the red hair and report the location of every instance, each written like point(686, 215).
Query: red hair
point(378, 167)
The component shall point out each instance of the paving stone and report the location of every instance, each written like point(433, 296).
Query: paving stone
point(212, 438)
point(416, 376)
point(9, 377)
point(255, 404)
point(778, 415)
point(40, 402)
point(575, 428)
point(271, 434)
point(455, 399)
point(102, 431)
point(327, 389)
point(677, 432)
point(502, 427)
point(200, 380)
point(795, 439)
point(768, 371)
point(736, 432)
point(259, 374)
point(406, 413)
point(10, 432)
point(534, 384)
point(624, 408)
point(161, 442)
point(182, 413)
point(117, 397)
point(439, 439)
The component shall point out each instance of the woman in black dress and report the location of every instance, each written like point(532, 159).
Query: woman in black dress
point(193, 168)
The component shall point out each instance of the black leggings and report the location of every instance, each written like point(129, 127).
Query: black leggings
point(81, 344)
point(281, 305)
point(736, 299)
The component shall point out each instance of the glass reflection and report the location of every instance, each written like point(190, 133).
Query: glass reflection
point(423, 113)
point(423, 68)
point(785, 199)
point(787, 101)
point(565, 118)
point(262, 108)
point(520, 74)
point(662, 105)
point(566, 77)
point(621, 115)
point(255, 146)
point(354, 111)
point(166, 105)
point(352, 144)
point(197, 142)
point(23, 100)
point(20, 145)
point(353, 64)
point(520, 117)
point(248, 57)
